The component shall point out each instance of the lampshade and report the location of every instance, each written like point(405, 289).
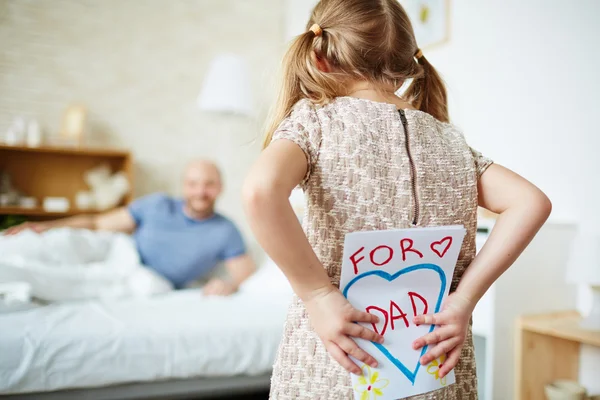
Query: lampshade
point(226, 87)
point(584, 258)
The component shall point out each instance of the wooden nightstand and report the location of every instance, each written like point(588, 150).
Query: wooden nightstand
point(547, 348)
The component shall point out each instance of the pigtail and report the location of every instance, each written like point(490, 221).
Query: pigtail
point(428, 91)
point(290, 89)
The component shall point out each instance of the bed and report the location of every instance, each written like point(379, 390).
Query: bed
point(173, 345)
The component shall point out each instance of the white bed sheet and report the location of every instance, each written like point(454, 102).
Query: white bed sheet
point(175, 335)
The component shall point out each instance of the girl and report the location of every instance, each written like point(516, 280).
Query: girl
point(370, 160)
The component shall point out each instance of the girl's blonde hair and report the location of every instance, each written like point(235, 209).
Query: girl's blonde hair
point(370, 40)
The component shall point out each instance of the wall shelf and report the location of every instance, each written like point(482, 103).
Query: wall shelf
point(42, 172)
point(72, 151)
point(40, 212)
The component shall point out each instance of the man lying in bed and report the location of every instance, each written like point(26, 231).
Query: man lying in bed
point(181, 239)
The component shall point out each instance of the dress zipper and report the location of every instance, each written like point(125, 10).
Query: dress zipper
point(413, 169)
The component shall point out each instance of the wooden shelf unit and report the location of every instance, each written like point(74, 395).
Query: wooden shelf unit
point(548, 349)
point(57, 171)
point(40, 212)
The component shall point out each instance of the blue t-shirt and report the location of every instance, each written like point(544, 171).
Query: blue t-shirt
point(178, 247)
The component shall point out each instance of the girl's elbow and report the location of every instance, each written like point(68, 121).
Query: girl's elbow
point(545, 205)
point(541, 203)
point(251, 194)
point(256, 193)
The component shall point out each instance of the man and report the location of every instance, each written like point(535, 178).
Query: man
point(181, 239)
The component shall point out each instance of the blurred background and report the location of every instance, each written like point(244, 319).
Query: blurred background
point(143, 86)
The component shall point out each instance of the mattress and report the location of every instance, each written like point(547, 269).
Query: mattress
point(176, 335)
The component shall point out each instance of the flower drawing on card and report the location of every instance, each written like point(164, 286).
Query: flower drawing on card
point(369, 385)
point(434, 369)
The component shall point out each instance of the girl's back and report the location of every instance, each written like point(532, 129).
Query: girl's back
point(374, 167)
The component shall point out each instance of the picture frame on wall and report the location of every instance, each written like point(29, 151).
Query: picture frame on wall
point(431, 21)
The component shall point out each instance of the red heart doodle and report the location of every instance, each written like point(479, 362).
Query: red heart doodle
point(440, 245)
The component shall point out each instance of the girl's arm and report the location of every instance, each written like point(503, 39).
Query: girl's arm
point(522, 210)
point(279, 169)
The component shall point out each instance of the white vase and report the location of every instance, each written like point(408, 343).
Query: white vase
point(34, 134)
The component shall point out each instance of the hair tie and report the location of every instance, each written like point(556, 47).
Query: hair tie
point(419, 54)
point(316, 29)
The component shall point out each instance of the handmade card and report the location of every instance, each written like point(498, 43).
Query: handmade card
point(397, 274)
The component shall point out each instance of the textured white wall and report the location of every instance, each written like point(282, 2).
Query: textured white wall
point(139, 65)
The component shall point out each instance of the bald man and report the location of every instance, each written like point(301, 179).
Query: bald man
point(181, 239)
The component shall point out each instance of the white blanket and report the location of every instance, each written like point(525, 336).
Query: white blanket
point(68, 264)
point(177, 335)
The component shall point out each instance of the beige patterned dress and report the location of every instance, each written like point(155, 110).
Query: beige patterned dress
point(373, 167)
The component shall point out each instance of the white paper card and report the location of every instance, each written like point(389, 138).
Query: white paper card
point(397, 274)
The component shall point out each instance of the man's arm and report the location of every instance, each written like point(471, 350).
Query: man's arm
point(119, 220)
point(239, 269)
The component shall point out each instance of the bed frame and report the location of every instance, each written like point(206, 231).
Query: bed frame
point(196, 388)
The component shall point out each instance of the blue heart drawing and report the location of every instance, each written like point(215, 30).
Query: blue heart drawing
point(410, 374)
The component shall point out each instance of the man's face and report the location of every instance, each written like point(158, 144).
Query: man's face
point(201, 187)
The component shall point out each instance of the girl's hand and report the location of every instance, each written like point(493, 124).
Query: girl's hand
point(449, 337)
point(333, 319)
